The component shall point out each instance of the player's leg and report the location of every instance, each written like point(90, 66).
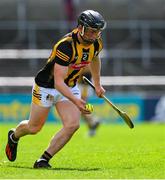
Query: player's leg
point(88, 118)
point(70, 116)
point(36, 121)
point(39, 110)
point(92, 122)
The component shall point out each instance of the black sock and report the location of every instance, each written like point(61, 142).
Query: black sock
point(46, 156)
point(14, 138)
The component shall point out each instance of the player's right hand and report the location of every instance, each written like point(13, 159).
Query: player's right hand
point(80, 103)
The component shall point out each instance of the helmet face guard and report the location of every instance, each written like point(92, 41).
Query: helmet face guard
point(89, 35)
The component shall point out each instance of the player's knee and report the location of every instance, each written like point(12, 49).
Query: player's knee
point(76, 127)
point(71, 128)
point(34, 129)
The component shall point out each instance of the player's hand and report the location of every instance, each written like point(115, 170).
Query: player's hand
point(99, 91)
point(81, 104)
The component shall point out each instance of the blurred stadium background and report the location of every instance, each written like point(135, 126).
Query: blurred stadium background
point(133, 59)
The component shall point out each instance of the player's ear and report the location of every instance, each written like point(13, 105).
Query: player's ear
point(80, 28)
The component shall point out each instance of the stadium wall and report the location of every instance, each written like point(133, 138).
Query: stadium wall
point(16, 107)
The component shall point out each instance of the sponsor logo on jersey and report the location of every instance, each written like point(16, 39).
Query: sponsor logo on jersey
point(80, 65)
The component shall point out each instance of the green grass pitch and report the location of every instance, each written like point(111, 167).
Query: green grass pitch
point(115, 152)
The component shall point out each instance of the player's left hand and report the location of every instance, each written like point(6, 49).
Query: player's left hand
point(99, 91)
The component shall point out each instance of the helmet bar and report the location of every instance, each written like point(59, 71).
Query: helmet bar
point(82, 32)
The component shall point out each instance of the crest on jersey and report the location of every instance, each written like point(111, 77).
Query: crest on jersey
point(85, 54)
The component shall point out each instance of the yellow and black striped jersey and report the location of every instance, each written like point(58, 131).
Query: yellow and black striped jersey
point(68, 52)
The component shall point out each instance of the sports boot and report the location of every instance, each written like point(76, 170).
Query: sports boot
point(41, 163)
point(11, 147)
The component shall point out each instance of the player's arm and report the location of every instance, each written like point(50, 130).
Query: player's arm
point(61, 62)
point(95, 68)
point(59, 75)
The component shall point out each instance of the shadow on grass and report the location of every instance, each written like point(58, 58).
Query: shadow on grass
point(57, 169)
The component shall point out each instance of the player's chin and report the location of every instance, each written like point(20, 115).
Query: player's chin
point(89, 41)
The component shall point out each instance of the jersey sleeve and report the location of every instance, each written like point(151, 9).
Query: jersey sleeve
point(63, 53)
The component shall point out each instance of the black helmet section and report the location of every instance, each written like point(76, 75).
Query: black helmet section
point(93, 19)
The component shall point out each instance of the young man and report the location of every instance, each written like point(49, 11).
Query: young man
point(56, 84)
